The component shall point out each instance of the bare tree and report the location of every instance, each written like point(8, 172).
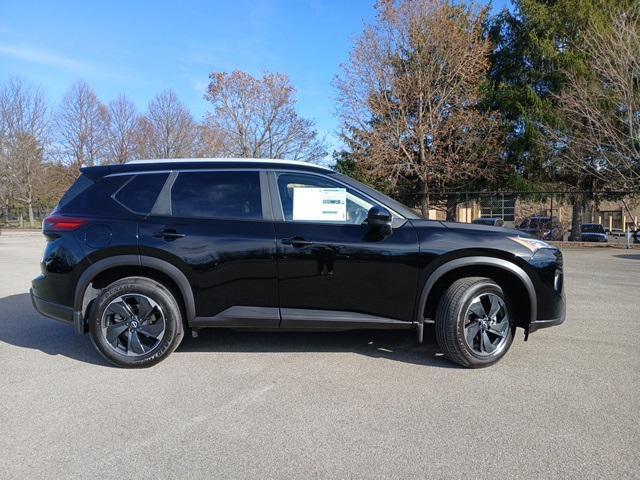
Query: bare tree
point(167, 130)
point(256, 118)
point(6, 189)
point(81, 127)
point(409, 96)
point(24, 135)
point(601, 134)
point(209, 142)
point(122, 130)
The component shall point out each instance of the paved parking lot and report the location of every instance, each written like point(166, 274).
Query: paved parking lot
point(566, 404)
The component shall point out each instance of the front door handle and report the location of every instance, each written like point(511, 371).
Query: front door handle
point(296, 242)
point(168, 234)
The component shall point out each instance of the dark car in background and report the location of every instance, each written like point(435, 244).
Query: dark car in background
point(615, 232)
point(495, 222)
point(593, 232)
point(543, 227)
point(137, 254)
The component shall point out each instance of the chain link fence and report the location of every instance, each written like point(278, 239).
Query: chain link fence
point(543, 214)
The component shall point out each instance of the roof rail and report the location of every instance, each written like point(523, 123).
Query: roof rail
point(227, 160)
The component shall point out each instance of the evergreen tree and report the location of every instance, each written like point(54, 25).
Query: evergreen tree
point(537, 46)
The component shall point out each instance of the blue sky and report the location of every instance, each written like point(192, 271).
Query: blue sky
point(140, 48)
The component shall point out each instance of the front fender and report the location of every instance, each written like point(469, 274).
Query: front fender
point(470, 261)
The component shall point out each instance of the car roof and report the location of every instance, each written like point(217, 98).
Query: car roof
point(165, 164)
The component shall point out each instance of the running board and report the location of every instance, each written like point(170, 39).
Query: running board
point(297, 318)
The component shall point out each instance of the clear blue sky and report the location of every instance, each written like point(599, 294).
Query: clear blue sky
point(140, 48)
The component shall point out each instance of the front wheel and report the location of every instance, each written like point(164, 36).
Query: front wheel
point(135, 322)
point(473, 325)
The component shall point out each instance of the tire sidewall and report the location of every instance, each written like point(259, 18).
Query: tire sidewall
point(149, 288)
point(473, 358)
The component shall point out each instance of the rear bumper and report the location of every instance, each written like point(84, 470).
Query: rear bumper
point(53, 310)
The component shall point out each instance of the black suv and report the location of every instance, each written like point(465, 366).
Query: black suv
point(138, 253)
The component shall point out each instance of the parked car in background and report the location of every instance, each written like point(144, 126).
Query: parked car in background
point(615, 232)
point(495, 222)
point(593, 232)
point(546, 228)
point(136, 254)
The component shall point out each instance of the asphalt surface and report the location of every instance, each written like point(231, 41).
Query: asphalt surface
point(566, 404)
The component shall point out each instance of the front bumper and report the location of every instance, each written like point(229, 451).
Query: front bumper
point(538, 324)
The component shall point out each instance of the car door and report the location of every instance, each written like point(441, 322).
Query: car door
point(216, 226)
point(333, 269)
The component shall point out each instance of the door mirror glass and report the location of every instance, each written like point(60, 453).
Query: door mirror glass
point(380, 218)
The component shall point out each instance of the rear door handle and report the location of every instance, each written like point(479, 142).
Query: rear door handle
point(168, 234)
point(296, 242)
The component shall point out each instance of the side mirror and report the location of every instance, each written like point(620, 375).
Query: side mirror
point(380, 219)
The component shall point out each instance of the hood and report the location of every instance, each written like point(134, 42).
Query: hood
point(484, 228)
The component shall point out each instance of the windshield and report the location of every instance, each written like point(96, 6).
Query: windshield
point(540, 223)
point(403, 210)
point(591, 228)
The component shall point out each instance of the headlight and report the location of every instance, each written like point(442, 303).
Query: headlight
point(532, 244)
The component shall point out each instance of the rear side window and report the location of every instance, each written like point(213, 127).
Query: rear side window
point(231, 195)
point(140, 193)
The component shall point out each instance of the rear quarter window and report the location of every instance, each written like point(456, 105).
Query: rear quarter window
point(97, 198)
point(81, 184)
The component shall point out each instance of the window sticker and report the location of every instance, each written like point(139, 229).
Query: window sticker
point(320, 204)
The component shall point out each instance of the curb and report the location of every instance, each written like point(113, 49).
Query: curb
point(562, 245)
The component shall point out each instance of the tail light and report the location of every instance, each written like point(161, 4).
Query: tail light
point(56, 223)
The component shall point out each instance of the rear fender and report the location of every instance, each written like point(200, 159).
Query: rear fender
point(130, 261)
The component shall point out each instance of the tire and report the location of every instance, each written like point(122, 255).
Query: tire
point(459, 307)
point(135, 322)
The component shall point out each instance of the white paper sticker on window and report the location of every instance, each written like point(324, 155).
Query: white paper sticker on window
point(320, 204)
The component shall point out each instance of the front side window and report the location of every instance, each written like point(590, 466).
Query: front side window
point(223, 195)
point(312, 198)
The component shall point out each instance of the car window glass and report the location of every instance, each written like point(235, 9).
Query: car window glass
point(81, 184)
point(140, 194)
point(587, 228)
point(312, 198)
point(232, 194)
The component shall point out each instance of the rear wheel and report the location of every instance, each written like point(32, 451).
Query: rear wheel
point(135, 322)
point(473, 325)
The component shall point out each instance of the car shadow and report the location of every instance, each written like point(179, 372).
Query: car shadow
point(396, 345)
point(629, 256)
point(22, 326)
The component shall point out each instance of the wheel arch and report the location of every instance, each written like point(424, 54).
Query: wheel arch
point(511, 278)
point(108, 270)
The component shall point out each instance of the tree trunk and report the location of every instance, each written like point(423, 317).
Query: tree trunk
point(32, 223)
point(576, 218)
point(452, 204)
point(424, 200)
point(21, 219)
